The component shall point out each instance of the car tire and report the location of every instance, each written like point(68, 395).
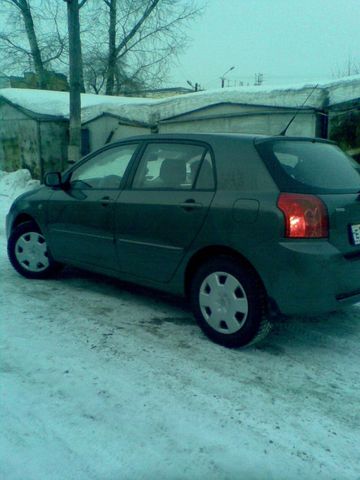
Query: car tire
point(229, 303)
point(29, 254)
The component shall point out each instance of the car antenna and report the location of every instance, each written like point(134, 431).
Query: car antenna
point(282, 134)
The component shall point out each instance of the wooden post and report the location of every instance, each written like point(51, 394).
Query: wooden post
point(74, 147)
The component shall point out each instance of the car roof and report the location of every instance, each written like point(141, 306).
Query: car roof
point(194, 136)
point(244, 137)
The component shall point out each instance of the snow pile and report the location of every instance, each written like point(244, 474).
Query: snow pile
point(12, 184)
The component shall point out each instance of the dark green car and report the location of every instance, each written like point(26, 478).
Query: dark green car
point(243, 225)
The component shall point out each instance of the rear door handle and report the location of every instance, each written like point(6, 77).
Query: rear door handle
point(190, 204)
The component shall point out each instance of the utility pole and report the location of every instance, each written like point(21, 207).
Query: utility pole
point(196, 87)
point(74, 147)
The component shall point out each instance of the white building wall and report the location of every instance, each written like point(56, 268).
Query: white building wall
point(124, 131)
point(101, 128)
point(271, 124)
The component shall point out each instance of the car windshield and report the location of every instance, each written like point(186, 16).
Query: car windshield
point(321, 166)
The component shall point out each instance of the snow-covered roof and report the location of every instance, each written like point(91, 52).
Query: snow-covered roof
point(289, 96)
point(280, 97)
point(145, 110)
point(46, 102)
point(345, 90)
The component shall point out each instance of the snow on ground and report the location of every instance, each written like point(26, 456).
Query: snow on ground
point(105, 381)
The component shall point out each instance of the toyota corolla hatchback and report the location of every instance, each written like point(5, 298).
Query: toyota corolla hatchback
point(243, 225)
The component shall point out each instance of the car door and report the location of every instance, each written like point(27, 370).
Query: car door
point(81, 215)
point(162, 210)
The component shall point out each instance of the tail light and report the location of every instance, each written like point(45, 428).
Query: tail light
point(305, 216)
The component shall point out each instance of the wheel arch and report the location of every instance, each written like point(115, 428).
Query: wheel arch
point(22, 218)
point(201, 256)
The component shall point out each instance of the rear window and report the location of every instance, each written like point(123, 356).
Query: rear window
point(310, 166)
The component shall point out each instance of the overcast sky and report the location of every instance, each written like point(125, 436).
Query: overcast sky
point(288, 41)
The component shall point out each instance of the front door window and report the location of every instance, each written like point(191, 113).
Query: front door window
point(105, 170)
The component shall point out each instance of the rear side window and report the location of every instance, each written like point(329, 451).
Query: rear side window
point(303, 166)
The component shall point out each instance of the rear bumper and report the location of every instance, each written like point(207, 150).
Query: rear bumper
point(311, 277)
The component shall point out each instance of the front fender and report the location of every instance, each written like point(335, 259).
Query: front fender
point(30, 205)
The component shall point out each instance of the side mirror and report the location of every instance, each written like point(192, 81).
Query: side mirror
point(53, 179)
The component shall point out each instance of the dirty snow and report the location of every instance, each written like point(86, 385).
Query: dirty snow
point(105, 381)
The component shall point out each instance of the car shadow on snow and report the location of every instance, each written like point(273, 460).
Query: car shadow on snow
point(322, 331)
point(112, 286)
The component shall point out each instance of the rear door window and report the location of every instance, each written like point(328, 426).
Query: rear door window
point(174, 166)
point(310, 166)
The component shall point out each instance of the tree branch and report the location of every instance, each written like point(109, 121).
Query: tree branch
point(137, 26)
point(6, 39)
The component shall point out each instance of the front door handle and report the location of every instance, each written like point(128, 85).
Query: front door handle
point(105, 201)
point(190, 204)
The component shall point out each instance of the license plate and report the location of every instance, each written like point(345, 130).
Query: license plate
point(355, 230)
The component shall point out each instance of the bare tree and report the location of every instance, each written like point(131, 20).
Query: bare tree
point(350, 67)
point(127, 45)
point(141, 37)
point(42, 48)
point(94, 71)
point(95, 75)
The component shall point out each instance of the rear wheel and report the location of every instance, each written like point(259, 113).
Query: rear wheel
point(28, 252)
point(229, 303)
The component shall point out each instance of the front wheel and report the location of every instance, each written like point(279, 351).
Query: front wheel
point(228, 302)
point(29, 254)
